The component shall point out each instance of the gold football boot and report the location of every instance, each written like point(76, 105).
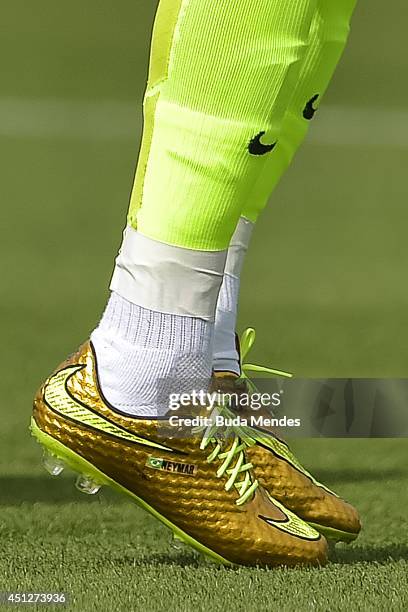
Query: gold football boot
point(201, 487)
point(279, 471)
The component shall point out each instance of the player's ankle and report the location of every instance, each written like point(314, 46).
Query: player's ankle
point(144, 356)
point(155, 338)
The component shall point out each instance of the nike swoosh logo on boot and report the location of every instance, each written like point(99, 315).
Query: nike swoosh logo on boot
point(59, 399)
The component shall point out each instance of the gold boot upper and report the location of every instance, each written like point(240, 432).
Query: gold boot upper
point(286, 480)
point(172, 474)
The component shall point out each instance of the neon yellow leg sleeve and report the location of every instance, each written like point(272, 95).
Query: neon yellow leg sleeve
point(328, 37)
point(221, 77)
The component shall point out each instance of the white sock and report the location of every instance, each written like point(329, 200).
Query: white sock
point(226, 357)
point(143, 356)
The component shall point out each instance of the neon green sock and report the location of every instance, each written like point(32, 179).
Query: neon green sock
point(221, 76)
point(328, 36)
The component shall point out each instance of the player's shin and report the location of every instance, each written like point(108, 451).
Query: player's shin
point(327, 39)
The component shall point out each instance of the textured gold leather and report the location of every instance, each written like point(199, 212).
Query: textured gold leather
point(285, 479)
point(195, 501)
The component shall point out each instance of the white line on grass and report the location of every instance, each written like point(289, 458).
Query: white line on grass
point(111, 120)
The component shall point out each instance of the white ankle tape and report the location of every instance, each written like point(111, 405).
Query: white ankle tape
point(238, 247)
point(167, 278)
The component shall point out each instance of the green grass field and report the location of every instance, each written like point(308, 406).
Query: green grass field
point(325, 286)
point(111, 556)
